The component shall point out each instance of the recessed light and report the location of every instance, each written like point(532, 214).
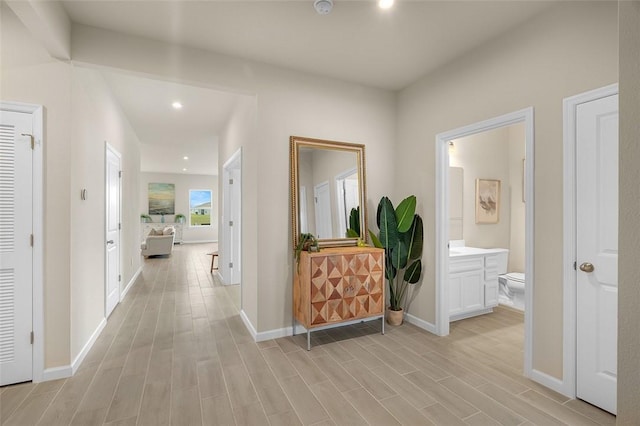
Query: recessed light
point(385, 4)
point(184, 170)
point(185, 158)
point(177, 105)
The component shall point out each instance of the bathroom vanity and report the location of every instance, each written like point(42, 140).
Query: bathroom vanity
point(473, 280)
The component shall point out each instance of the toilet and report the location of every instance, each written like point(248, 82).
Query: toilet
point(511, 292)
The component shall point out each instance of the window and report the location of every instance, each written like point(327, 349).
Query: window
point(199, 207)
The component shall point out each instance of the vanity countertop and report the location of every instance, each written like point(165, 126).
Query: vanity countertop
point(473, 251)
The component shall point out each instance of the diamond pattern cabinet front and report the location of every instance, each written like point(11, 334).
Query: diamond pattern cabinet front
point(338, 284)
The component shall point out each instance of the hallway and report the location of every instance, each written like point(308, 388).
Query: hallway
point(175, 351)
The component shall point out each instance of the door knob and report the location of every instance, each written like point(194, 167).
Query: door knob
point(111, 242)
point(587, 267)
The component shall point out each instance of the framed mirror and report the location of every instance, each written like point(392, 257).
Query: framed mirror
point(328, 191)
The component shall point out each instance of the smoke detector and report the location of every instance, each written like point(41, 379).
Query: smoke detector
point(323, 7)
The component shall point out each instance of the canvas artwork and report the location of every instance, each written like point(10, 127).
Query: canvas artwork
point(162, 198)
point(487, 201)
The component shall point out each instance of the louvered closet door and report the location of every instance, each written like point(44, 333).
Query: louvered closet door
point(15, 248)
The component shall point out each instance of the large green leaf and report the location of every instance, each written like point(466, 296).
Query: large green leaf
point(390, 270)
point(375, 240)
point(416, 238)
point(400, 254)
point(352, 234)
point(404, 213)
point(413, 272)
point(388, 224)
point(354, 221)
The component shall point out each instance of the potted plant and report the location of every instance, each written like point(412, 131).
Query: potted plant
point(180, 218)
point(401, 236)
point(306, 242)
point(145, 218)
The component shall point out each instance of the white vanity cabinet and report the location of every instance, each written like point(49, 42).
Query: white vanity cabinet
point(473, 281)
point(466, 281)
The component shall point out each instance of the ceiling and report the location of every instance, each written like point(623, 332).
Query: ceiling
point(356, 42)
point(168, 134)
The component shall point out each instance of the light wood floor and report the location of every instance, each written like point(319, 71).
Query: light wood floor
point(175, 351)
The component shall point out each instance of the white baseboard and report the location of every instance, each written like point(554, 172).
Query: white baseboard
point(198, 241)
point(130, 284)
point(551, 382)
point(87, 346)
point(420, 323)
point(274, 334)
point(250, 327)
point(466, 315)
point(56, 373)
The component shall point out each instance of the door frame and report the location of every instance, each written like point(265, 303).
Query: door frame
point(37, 112)
point(233, 164)
point(109, 147)
point(525, 116)
point(569, 316)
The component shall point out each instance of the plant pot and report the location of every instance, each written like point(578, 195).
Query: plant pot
point(394, 317)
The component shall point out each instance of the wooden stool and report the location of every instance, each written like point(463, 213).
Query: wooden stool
point(213, 257)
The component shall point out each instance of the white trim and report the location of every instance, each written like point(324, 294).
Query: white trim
point(442, 214)
point(250, 327)
point(551, 382)
point(56, 373)
point(37, 112)
point(198, 241)
point(458, 317)
point(130, 284)
point(570, 106)
point(109, 147)
point(420, 323)
point(87, 346)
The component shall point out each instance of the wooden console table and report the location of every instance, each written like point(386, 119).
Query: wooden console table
point(338, 285)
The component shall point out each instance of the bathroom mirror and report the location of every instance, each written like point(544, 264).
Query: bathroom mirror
point(456, 185)
point(327, 191)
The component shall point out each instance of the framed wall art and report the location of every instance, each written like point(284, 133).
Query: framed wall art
point(487, 201)
point(162, 198)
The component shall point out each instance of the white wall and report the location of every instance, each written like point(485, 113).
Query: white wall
point(183, 183)
point(288, 103)
point(29, 75)
point(495, 154)
point(97, 119)
point(240, 135)
point(629, 239)
point(484, 156)
point(571, 49)
point(80, 116)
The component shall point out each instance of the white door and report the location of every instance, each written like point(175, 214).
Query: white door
point(16, 252)
point(597, 251)
point(322, 200)
point(231, 250)
point(112, 222)
point(235, 202)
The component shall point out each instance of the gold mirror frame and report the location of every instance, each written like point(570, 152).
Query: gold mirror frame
point(297, 142)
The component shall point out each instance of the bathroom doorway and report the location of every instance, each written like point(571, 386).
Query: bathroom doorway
point(444, 229)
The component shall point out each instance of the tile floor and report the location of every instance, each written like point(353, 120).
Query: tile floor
point(175, 351)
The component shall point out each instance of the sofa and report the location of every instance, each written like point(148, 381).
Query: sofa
point(159, 242)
